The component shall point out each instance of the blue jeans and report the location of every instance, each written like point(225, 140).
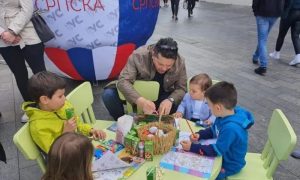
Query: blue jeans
point(113, 103)
point(264, 26)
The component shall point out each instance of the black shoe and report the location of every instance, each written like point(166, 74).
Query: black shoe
point(261, 71)
point(176, 18)
point(254, 61)
point(296, 154)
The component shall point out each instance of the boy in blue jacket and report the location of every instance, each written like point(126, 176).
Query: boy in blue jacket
point(230, 129)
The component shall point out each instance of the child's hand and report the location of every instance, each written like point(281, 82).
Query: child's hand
point(207, 122)
point(70, 125)
point(98, 134)
point(194, 137)
point(186, 145)
point(178, 115)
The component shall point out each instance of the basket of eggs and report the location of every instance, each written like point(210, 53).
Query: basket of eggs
point(161, 134)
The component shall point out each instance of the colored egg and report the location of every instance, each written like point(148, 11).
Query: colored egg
point(153, 130)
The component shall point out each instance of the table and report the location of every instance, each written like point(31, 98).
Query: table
point(172, 175)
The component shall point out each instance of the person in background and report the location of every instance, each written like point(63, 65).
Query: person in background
point(159, 62)
point(166, 3)
point(289, 18)
point(175, 7)
point(266, 13)
point(19, 42)
point(193, 106)
point(70, 157)
point(190, 7)
point(48, 114)
point(230, 129)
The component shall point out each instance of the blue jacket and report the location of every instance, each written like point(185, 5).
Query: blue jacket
point(232, 138)
point(186, 108)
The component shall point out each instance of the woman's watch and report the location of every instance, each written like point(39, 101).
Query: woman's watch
point(171, 100)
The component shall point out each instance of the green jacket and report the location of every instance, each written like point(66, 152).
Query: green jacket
point(46, 126)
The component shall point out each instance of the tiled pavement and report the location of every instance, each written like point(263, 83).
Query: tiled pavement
point(219, 40)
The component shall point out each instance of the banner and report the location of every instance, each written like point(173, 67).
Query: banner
point(94, 38)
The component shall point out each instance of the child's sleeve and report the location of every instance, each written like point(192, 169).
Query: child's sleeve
point(206, 150)
point(83, 128)
point(182, 106)
point(206, 133)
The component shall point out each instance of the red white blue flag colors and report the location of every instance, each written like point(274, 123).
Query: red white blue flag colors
point(94, 38)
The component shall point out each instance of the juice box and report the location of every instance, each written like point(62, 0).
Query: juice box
point(127, 143)
point(149, 150)
point(151, 173)
point(134, 145)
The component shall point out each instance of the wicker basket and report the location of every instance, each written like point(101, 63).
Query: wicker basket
point(161, 144)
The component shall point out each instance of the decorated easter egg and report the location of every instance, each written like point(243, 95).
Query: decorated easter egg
point(94, 38)
point(153, 129)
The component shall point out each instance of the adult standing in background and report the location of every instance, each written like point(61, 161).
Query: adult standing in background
point(175, 7)
point(190, 7)
point(19, 42)
point(290, 18)
point(159, 62)
point(266, 13)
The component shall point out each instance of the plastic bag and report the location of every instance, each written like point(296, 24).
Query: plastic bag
point(124, 125)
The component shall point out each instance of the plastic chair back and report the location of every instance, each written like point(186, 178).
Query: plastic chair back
point(147, 89)
point(281, 142)
point(82, 99)
point(22, 139)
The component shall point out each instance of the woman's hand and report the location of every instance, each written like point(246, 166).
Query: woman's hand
point(8, 37)
point(17, 40)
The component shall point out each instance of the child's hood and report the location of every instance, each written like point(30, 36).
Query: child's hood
point(31, 109)
point(33, 112)
point(241, 117)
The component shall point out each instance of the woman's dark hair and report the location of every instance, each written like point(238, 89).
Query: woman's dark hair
point(167, 48)
point(223, 93)
point(44, 83)
point(70, 157)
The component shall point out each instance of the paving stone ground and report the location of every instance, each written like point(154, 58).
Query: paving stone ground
point(219, 40)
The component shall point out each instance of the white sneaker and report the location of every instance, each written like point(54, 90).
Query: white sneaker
point(24, 118)
point(275, 55)
point(295, 61)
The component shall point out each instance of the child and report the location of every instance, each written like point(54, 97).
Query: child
point(47, 114)
point(70, 157)
point(230, 129)
point(193, 106)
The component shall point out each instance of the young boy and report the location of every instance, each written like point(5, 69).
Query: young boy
point(193, 105)
point(48, 118)
point(230, 129)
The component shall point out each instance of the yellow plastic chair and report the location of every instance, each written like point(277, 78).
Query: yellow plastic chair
point(281, 142)
point(82, 99)
point(27, 147)
point(147, 89)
